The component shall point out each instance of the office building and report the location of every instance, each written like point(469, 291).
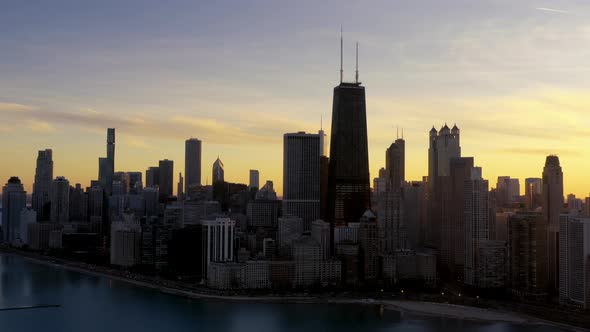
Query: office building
point(14, 200)
point(395, 159)
point(552, 208)
point(574, 261)
point(27, 216)
point(166, 174)
point(220, 234)
point(320, 232)
point(60, 200)
point(444, 146)
point(369, 246)
point(254, 182)
point(348, 177)
point(152, 177)
point(42, 185)
point(218, 174)
point(527, 252)
point(476, 223)
point(192, 163)
point(290, 229)
point(533, 193)
point(301, 176)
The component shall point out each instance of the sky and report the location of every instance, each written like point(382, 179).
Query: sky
point(513, 75)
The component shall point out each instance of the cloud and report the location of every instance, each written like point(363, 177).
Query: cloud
point(12, 107)
point(40, 126)
point(551, 10)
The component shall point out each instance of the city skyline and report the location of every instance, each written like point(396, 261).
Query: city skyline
point(516, 102)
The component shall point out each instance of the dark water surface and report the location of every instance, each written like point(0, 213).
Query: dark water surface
point(90, 303)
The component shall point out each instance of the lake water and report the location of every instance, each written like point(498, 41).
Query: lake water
point(91, 303)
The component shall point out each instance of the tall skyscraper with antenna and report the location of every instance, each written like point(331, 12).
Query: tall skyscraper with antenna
point(348, 179)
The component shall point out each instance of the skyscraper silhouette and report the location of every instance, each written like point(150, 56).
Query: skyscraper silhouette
point(348, 179)
point(552, 207)
point(301, 176)
point(42, 185)
point(192, 164)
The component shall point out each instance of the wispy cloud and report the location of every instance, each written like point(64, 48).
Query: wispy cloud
point(13, 107)
point(552, 10)
point(40, 126)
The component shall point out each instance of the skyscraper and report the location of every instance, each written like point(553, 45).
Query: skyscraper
point(78, 204)
point(301, 176)
point(14, 200)
point(192, 163)
point(444, 146)
point(152, 177)
point(60, 200)
point(348, 176)
point(476, 221)
point(254, 179)
point(106, 166)
point(42, 185)
point(218, 171)
point(179, 190)
point(166, 174)
point(552, 207)
point(533, 191)
point(574, 262)
point(395, 163)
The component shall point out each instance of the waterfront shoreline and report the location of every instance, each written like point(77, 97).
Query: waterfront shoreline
point(418, 308)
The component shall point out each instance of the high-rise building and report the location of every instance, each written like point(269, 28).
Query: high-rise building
point(527, 252)
point(60, 200)
point(369, 246)
point(254, 179)
point(267, 192)
point(552, 207)
point(533, 191)
point(179, 189)
point(135, 182)
point(166, 178)
point(476, 220)
point(152, 177)
point(125, 243)
point(301, 176)
point(452, 250)
point(290, 229)
point(42, 185)
point(218, 172)
point(106, 166)
point(192, 163)
point(78, 204)
point(395, 158)
point(507, 191)
point(390, 220)
point(349, 192)
point(444, 146)
point(220, 234)
point(14, 200)
point(27, 216)
point(574, 261)
point(320, 232)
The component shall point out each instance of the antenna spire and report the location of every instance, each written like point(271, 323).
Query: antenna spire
point(321, 122)
point(397, 133)
point(341, 56)
point(357, 63)
point(402, 133)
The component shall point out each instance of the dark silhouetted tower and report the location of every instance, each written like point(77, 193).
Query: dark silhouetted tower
point(348, 180)
point(42, 185)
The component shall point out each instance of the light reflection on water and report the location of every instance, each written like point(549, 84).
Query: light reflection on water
point(91, 303)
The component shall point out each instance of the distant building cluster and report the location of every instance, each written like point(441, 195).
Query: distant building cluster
point(329, 229)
